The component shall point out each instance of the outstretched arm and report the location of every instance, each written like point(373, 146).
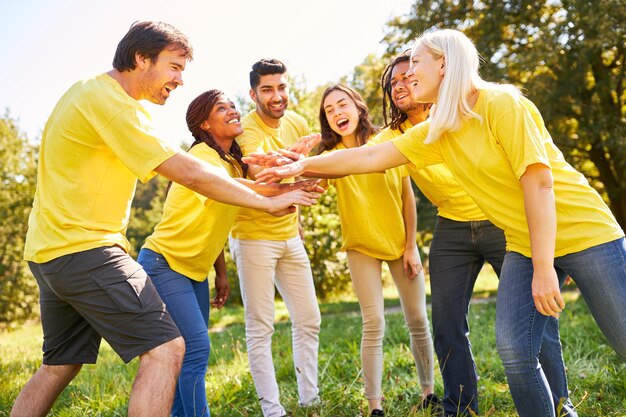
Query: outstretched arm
point(274, 189)
point(200, 177)
point(361, 160)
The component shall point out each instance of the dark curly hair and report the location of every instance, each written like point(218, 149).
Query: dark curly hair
point(197, 112)
point(265, 66)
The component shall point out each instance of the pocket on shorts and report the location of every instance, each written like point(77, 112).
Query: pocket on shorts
point(129, 288)
point(56, 265)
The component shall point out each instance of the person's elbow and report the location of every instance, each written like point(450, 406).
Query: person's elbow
point(538, 176)
point(179, 169)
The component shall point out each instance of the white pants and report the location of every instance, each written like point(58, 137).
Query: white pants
point(261, 264)
point(366, 274)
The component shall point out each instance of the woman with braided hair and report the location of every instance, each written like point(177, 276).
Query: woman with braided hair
point(190, 238)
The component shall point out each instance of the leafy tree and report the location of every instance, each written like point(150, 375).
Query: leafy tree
point(568, 55)
point(366, 80)
point(18, 158)
point(146, 211)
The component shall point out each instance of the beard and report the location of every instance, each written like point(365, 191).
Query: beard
point(414, 106)
point(269, 112)
point(152, 88)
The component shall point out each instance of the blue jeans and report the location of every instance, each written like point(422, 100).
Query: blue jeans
point(457, 254)
point(600, 273)
point(187, 301)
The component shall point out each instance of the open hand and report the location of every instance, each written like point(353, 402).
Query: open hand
point(312, 185)
point(280, 172)
point(304, 145)
point(286, 203)
point(273, 158)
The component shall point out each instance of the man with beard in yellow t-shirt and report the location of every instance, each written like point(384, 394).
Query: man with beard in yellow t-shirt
point(269, 251)
point(97, 142)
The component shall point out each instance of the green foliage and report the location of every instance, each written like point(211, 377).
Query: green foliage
point(18, 159)
point(568, 56)
point(366, 80)
point(146, 211)
point(322, 241)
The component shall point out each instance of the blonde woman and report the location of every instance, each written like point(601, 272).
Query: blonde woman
point(496, 145)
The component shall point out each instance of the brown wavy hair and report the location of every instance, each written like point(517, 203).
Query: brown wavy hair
point(364, 130)
point(197, 112)
point(149, 39)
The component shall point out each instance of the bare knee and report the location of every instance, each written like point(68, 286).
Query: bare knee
point(60, 372)
point(169, 354)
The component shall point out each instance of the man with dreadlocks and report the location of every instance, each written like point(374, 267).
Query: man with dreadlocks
point(463, 240)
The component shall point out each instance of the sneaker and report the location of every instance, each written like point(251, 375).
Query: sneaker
point(315, 402)
point(431, 402)
point(377, 413)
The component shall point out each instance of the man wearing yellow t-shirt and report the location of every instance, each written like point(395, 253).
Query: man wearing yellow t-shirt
point(97, 142)
point(269, 252)
point(463, 240)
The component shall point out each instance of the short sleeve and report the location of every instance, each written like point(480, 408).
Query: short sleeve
point(131, 138)
point(251, 141)
point(522, 135)
point(411, 145)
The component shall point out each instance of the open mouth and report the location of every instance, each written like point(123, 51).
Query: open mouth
point(342, 123)
point(233, 121)
point(402, 95)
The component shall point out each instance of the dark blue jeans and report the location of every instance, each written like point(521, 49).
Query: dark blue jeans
point(457, 254)
point(600, 273)
point(187, 301)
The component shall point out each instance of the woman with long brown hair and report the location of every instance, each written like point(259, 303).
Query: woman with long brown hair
point(378, 224)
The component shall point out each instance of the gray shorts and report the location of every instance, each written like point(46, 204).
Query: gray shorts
point(94, 294)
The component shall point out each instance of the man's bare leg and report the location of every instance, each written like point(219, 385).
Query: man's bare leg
point(41, 391)
point(153, 390)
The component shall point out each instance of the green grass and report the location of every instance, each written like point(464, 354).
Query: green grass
point(597, 377)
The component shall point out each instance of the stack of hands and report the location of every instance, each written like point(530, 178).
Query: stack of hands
point(284, 163)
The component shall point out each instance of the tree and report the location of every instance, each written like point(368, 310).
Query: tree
point(567, 55)
point(146, 211)
point(18, 158)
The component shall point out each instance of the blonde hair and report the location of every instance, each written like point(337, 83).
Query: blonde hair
point(460, 80)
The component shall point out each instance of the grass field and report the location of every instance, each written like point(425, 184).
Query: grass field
point(597, 377)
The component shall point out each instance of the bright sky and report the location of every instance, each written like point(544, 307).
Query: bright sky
point(47, 45)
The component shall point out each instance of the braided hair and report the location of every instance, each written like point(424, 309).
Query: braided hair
point(197, 112)
point(396, 117)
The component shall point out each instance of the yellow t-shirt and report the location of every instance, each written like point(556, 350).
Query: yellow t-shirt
point(488, 159)
point(259, 137)
point(438, 184)
point(370, 211)
point(193, 229)
point(96, 143)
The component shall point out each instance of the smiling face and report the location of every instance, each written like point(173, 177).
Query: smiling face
point(427, 72)
point(271, 97)
point(162, 76)
point(401, 86)
point(342, 113)
point(223, 122)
